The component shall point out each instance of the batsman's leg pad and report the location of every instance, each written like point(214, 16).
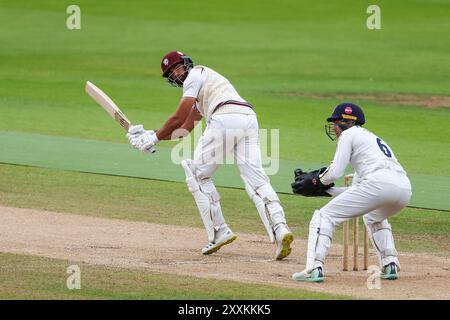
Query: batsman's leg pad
point(207, 203)
point(380, 234)
point(275, 215)
point(273, 206)
point(209, 189)
point(262, 211)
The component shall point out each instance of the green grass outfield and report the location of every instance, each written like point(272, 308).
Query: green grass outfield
point(28, 277)
point(267, 50)
point(415, 230)
point(122, 160)
point(273, 52)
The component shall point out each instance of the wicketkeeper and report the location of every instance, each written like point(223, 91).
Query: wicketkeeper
point(380, 189)
point(232, 127)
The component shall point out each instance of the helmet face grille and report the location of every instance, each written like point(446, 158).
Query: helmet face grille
point(171, 63)
point(344, 124)
point(329, 131)
point(177, 81)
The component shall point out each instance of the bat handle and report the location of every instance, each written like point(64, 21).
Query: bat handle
point(126, 126)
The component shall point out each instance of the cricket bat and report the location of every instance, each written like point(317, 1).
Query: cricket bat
point(106, 103)
point(113, 110)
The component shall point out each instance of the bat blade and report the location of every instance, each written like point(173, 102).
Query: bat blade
point(107, 104)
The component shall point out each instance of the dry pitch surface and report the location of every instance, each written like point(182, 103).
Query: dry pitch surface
point(176, 250)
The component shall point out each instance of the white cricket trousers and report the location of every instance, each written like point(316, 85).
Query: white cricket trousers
point(381, 195)
point(231, 133)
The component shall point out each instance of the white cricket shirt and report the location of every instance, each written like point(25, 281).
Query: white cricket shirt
point(364, 151)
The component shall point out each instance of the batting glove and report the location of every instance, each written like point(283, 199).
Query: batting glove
point(144, 141)
point(134, 132)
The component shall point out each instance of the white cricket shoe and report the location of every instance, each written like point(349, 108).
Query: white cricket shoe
point(390, 271)
point(223, 236)
point(283, 240)
point(316, 275)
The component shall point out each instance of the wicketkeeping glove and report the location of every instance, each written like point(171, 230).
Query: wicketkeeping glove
point(308, 184)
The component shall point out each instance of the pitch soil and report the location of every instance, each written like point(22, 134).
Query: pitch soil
point(176, 250)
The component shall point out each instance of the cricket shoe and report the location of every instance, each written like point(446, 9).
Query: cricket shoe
point(223, 236)
point(283, 239)
point(390, 271)
point(316, 275)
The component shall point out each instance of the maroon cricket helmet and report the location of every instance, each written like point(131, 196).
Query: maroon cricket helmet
point(174, 58)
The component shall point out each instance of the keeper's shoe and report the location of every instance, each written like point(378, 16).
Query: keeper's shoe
point(222, 238)
point(390, 271)
point(316, 275)
point(283, 239)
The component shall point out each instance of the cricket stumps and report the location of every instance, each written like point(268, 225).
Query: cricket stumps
point(346, 235)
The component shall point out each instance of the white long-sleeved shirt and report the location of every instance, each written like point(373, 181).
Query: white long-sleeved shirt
point(364, 151)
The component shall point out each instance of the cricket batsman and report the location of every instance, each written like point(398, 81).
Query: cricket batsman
point(380, 190)
point(232, 128)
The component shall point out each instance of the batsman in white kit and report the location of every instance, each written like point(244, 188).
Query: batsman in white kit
point(232, 128)
point(380, 190)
